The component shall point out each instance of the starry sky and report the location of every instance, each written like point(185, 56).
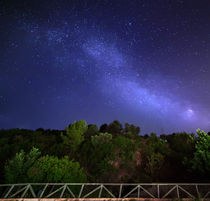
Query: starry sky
point(145, 62)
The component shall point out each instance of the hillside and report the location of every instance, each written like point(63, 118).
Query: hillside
point(111, 153)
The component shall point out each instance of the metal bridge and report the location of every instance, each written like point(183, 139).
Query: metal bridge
point(105, 190)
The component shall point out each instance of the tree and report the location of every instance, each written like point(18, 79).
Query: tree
point(100, 139)
point(98, 155)
point(52, 169)
point(131, 130)
point(91, 131)
point(115, 127)
point(154, 163)
point(155, 144)
point(155, 153)
point(180, 143)
point(125, 147)
point(201, 159)
point(181, 146)
point(103, 128)
point(16, 169)
point(74, 134)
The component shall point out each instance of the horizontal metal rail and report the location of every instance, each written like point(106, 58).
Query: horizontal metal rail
point(105, 190)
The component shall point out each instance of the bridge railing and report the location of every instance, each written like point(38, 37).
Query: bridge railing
point(105, 190)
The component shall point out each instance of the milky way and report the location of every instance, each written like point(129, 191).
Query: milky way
point(142, 62)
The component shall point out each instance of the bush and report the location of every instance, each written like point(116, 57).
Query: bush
point(16, 169)
point(201, 159)
point(52, 169)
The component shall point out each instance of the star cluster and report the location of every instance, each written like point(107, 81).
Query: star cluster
point(142, 62)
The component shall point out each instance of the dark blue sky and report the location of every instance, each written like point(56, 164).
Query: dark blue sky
point(142, 62)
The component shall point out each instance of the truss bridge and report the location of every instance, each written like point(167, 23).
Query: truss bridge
point(105, 191)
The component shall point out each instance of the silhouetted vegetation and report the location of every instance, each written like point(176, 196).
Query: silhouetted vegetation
point(111, 153)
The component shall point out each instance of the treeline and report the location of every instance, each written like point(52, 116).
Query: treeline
point(111, 153)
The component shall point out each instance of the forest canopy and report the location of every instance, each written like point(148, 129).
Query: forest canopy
point(111, 153)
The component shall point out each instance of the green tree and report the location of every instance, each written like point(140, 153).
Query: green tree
point(74, 134)
point(52, 169)
point(16, 169)
point(100, 139)
point(155, 144)
point(91, 131)
point(180, 143)
point(125, 147)
point(115, 128)
point(96, 154)
point(155, 153)
point(131, 130)
point(201, 159)
point(181, 146)
point(154, 163)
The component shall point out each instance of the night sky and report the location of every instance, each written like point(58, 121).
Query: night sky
point(141, 62)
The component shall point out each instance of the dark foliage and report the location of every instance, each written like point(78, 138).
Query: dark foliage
point(112, 153)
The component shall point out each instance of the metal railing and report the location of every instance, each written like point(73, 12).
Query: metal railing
point(105, 190)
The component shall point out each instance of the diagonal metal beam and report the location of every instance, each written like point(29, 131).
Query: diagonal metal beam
point(64, 188)
point(23, 194)
point(72, 194)
point(186, 191)
point(197, 191)
point(32, 191)
point(177, 190)
point(80, 193)
point(106, 189)
point(18, 191)
point(169, 192)
point(146, 191)
point(43, 191)
point(206, 194)
point(55, 191)
point(94, 190)
point(9, 191)
point(131, 191)
point(101, 188)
